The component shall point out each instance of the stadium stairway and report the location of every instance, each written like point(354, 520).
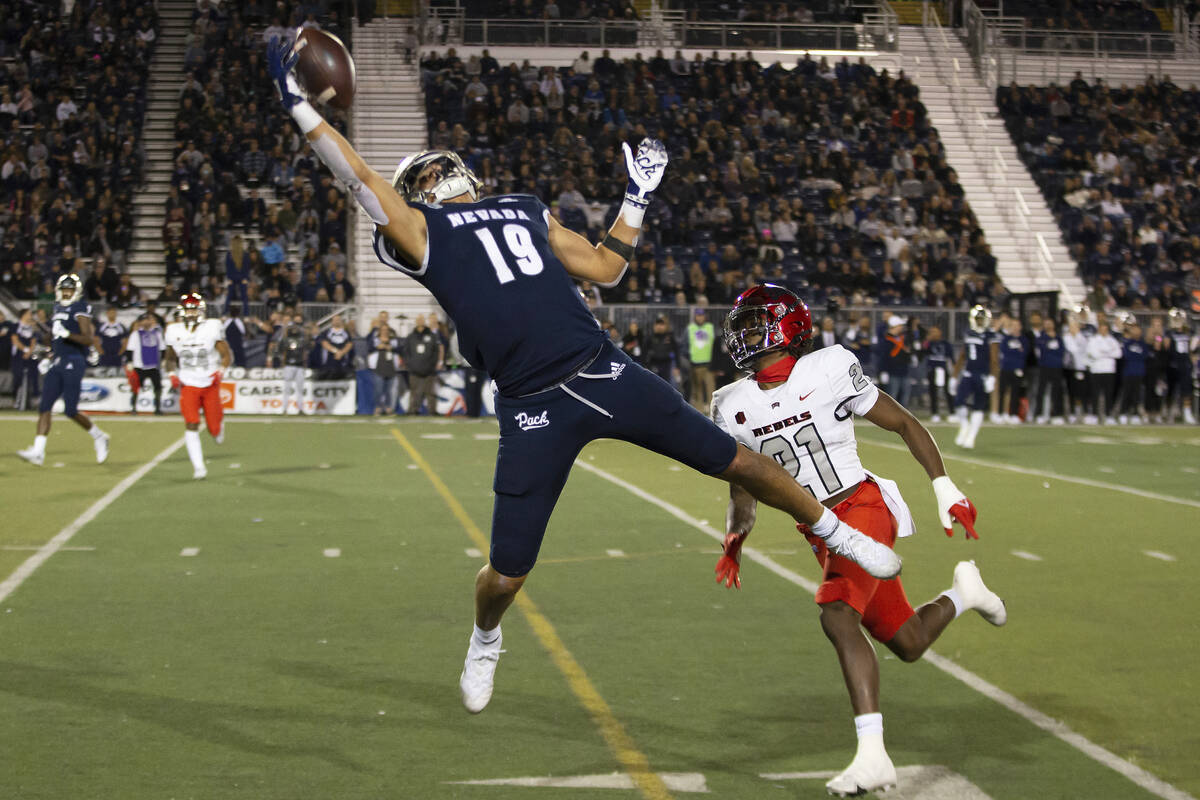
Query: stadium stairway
point(388, 124)
point(973, 134)
point(145, 259)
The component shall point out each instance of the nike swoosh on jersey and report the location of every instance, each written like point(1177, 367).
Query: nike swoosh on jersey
point(804, 397)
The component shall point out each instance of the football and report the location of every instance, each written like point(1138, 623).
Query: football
point(325, 69)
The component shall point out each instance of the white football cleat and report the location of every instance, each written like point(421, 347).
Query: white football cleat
point(32, 456)
point(975, 594)
point(101, 449)
point(479, 673)
point(873, 773)
point(200, 473)
point(879, 560)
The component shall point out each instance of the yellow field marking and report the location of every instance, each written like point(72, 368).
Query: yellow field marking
point(622, 746)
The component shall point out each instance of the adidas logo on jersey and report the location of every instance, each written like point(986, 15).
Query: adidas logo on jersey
point(617, 369)
point(527, 422)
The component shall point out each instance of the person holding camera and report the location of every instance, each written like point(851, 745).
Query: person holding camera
point(291, 348)
point(423, 356)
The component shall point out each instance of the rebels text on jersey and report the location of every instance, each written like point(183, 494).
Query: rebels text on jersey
point(67, 315)
point(806, 423)
point(196, 350)
point(977, 349)
point(490, 266)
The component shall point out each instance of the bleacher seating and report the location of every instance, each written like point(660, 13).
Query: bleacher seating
point(72, 98)
point(1116, 166)
point(828, 177)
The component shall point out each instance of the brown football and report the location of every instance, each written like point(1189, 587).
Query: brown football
point(325, 69)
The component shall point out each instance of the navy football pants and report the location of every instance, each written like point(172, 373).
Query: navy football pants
point(541, 434)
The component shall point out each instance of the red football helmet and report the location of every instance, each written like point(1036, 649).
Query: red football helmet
point(765, 318)
point(192, 310)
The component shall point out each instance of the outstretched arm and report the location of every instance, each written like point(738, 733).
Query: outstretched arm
point(953, 506)
point(403, 226)
point(739, 520)
point(605, 263)
point(891, 416)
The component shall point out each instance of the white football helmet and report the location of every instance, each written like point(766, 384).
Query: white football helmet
point(66, 289)
point(979, 319)
point(451, 177)
point(1177, 320)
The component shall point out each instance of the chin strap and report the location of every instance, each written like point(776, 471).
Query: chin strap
point(778, 371)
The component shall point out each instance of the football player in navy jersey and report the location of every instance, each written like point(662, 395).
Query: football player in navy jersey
point(503, 269)
point(1180, 367)
point(975, 374)
point(71, 325)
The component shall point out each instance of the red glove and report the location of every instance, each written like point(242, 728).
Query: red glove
point(176, 384)
point(131, 375)
point(216, 377)
point(730, 561)
point(964, 511)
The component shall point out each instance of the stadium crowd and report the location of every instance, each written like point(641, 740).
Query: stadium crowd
point(249, 204)
point(1117, 167)
point(826, 176)
point(72, 98)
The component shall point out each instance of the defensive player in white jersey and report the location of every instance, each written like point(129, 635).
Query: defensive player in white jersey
point(196, 356)
point(798, 407)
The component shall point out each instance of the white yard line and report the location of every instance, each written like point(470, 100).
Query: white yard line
point(13, 581)
point(1026, 555)
point(1059, 730)
point(1043, 473)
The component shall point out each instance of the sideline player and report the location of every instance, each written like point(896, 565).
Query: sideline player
point(975, 375)
point(1180, 369)
point(73, 335)
point(196, 348)
point(502, 268)
point(798, 408)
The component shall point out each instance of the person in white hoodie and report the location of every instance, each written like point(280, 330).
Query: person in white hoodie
point(1078, 379)
point(1103, 351)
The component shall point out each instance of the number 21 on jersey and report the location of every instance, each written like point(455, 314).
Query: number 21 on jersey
point(520, 247)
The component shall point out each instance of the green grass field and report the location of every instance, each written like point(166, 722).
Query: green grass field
point(311, 646)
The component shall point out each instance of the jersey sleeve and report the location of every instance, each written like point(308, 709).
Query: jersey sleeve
point(714, 411)
point(852, 390)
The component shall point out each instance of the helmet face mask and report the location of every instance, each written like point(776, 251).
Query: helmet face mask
point(979, 319)
point(192, 310)
point(66, 289)
point(765, 318)
point(1177, 320)
point(435, 176)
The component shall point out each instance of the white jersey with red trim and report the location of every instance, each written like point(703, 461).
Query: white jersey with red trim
point(196, 349)
point(805, 423)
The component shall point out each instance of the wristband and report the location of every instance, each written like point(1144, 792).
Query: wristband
point(634, 209)
point(306, 116)
point(622, 249)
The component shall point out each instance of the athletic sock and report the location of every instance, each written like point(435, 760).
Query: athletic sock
point(954, 597)
point(96, 433)
point(192, 440)
point(868, 723)
point(484, 638)
point(39, 445)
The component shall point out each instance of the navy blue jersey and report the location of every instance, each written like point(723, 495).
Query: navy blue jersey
point(939, 353)
point(112, 335)
point(977, 347)
point(1012, 352)
point(1050, 351)
point(1181, 356)
point(68, 314)
point(518, 313)
point(1133, 358)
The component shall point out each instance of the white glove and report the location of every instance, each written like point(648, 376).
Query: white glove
point(60, 330)
point(953, 506)
point(989, 383)
point(93, 357)
point(645, 169)
point(44, 365)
